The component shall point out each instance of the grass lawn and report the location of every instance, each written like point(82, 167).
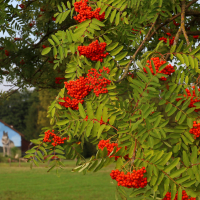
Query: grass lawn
point(22, 183)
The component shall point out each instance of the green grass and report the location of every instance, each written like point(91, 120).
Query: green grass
point(22, 183)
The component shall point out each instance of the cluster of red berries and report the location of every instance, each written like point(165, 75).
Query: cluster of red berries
point(195, 36)
point(135, 30)
point(32, 23)
point(196, 129)
point(131, 74)
point(21, 6)
point(85, 12)
point(43, 46)
point(7, 53)
point(171, 41)
point(167, 70)
point(57, 140)
point(101, 121)
point(17, 39)
point(175, 23)
point(135, 179)
point(42, 10)
point(94, 51)
point(184, 196)
point(53, 18)
point(109, 146)
point(169, 34)
point(58, 79)
point(80, 88)
point(192, 100)
point(22, 62)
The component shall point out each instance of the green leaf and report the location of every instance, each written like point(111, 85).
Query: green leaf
point(191, 61)
point(89, 128)
point(166, 186)
point(162, 67)
point(153, 66)
point(137, 191)
point(31, 151)
point(93, 166)
point(119, 163)
point(40, 155)
point(55, 39)
point(194, 155)
point(61, 157)
point(51, 41)
point(163, 101)
point(179, 56)
point(100, 130)
point(35, 162)
point(168, 107)
point(172, 111)
point(43, 150)
point(69, 5)
point(46, 50)
point(59, 151)
point(35, 141)
point(190, 122)
point(195, 51)
point(173, 49)
point(179, 193)
point(165, 159)
point(135, 125)
point(179, 47)
point(189, 183)
point(60, 52)
point(186, 60)
point(108, 12)
point(116, 51)
point(113, 16)
point(182, 119)
point(117, 18)
point(182, 179)
point(177, 172)
point(186, 159)
point(96, 21)
point(81, 110)
point(178, 115)
point(63, 122)
point(121, 55)
point(143, 77)
point(173, 190)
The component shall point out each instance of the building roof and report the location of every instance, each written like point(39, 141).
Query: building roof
point(11, 127)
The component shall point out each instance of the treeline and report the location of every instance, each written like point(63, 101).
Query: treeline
point(26, 111)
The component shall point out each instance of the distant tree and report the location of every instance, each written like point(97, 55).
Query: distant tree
point(21, 110)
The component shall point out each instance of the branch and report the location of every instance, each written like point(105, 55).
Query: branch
point(171, 19)
point(183, 23)
point(133, 57)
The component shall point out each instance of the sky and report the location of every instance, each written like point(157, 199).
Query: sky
point(15, 137)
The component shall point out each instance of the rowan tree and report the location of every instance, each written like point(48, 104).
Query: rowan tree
point(29, 25)
point(113, 101)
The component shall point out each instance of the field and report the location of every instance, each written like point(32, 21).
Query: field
point(22, 183)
